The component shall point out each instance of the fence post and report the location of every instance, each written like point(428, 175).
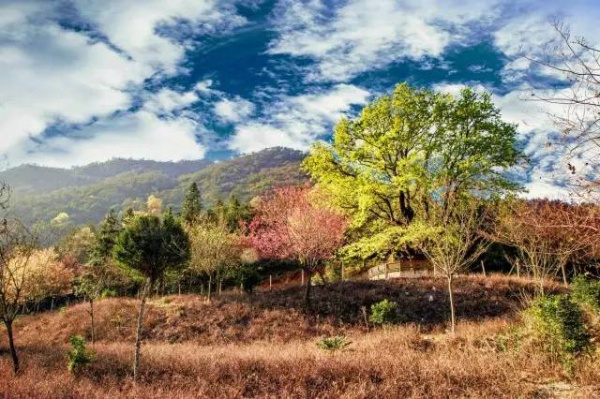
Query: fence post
point(386, 271)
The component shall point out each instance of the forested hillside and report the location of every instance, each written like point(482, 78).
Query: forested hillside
point(86, 193)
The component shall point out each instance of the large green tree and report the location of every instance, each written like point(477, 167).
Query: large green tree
point(407, 152)
point(151, 245)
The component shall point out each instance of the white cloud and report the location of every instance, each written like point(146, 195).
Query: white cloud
point(297, 121)
point(131, 25)
point(140, 135)
point(234, 110)
point(366, 34)
point(167, 100)
point(50, 74)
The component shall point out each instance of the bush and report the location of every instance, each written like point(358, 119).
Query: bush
point(557, 322)
point(78, 357)
point(384, 312)
point(333, 344)
point(586, 292)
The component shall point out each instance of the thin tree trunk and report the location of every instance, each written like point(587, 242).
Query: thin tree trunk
point(11, 344)
point(483, 268)
point(138, 337)
point(209, 286)
point(92, 318)
point(307, 298)
point(220, 287)
point(563, 269)
point(452, 313)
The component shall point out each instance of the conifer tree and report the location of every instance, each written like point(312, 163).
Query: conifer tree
point(192, 204)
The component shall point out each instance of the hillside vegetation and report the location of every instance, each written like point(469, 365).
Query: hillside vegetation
point(87, 193)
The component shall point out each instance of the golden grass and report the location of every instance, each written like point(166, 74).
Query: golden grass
point(270, 352)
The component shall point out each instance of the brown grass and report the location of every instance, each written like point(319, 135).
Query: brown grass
point(265, 347)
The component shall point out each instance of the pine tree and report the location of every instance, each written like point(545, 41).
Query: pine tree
point(192, 204)
point(109, 231)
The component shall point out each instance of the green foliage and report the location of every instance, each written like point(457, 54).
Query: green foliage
point(150, 245)
point(86, 193)
point(333, 344)
point(557, 323)
point(384, 312)
point(192, 204)
point(407, 151)
point(78, 357)
point(586, 292)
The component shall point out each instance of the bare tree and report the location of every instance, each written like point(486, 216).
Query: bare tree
point(548, 236)
point(575, 106)
point(15, 250)
point(456, 241)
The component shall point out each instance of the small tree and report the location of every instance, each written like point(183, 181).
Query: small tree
point(292, 224)
point(27, 276)
point(455, 242)
point(154, 205)
point(192, 204)
point(149, 246)
point(548, 235)
point(214, 250)
point(98, 271)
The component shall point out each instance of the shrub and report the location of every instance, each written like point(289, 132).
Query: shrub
point(557, 322)
point(384, 312)
point(333, 344)
point(586, 292)
point(78, 357)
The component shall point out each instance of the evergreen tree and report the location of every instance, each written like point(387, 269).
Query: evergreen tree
point(151, 246)
point(107, 235)
point(192, 204)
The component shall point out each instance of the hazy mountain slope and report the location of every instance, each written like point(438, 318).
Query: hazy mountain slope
point(87, 193)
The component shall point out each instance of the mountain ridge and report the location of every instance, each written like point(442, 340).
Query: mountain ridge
point(86, 193)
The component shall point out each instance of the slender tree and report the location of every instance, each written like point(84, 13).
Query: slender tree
point(455, 242)
point(150, 246)
point(215, 251)
point(27, 276)
point(574, 105)
point(192, 204)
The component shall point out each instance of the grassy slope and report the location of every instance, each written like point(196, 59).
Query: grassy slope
point(264, 346)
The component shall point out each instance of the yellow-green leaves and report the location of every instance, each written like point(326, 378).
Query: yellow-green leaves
point(407, 152)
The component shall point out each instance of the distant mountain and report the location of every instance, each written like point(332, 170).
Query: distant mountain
point(86, 193)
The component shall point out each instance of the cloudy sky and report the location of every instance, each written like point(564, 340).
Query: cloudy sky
point(89, 80)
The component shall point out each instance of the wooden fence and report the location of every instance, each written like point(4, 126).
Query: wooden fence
point(402, 268)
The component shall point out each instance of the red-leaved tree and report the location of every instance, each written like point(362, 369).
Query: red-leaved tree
point(292, 224)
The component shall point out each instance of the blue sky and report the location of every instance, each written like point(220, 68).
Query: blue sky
point(89, 80)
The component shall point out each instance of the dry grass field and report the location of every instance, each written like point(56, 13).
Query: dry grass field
point(264, 346)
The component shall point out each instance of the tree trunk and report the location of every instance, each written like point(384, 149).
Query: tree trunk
point(11, 344)
point(92, 319)
point(452, 312)
point(563, 269)
point(209, 286)
point(138, 336)
point(307, 298)
point(220, 287)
